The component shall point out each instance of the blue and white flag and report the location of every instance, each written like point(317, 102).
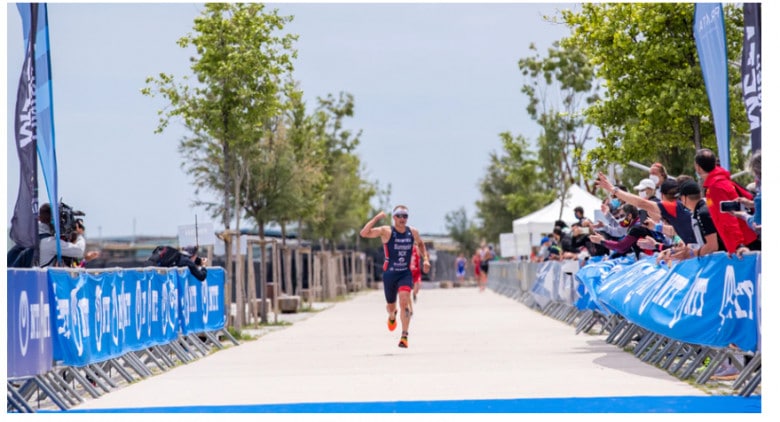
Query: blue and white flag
point(751, 70)
point(35, 16)
point(710, 34)
point(24, 223)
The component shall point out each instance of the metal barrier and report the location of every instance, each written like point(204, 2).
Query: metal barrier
point(34, 383)
point(518, 279)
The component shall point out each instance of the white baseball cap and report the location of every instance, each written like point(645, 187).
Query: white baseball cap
point(645, 184)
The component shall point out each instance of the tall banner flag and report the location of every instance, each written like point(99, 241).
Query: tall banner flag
point(751, 70)
point(24, 227)
point(35, 15)
point(710, 34)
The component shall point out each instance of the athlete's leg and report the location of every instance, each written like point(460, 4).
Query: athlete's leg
point(391, 292)
point(404, 297)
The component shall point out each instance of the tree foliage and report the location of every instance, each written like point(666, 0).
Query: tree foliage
point(559, 87)
point(462, 230)
point(655, 105)
point(513, 187)
point(240, 67)
point(346, 194)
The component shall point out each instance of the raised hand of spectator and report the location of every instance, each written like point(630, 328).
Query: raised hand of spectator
point(604, 183)
point(647, 242)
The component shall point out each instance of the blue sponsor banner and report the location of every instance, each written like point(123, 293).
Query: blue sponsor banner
point(710, 34)
point(589, 279)
point(29, 328)
point(201, 303)
point(103, 315)
point(710, 301)
point(548, 276)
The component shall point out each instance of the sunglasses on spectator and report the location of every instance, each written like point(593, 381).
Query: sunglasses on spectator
point(404, 216)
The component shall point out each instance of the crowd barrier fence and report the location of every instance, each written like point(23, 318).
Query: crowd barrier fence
point(78, 332)
point(686, 318)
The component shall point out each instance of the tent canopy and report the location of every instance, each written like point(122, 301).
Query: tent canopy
point(530, 229)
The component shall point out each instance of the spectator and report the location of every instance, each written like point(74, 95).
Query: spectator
point(753, 220)
point(544, 250)
point(658, 175)
point(579, 215)
point(707, 239)
point(718, 187)
point(669, 209)
point(646, 190)
point(629, 242)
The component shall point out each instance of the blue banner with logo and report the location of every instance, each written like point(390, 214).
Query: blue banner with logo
point(711, 301)
point(35, 15)
point(103, 315)
point(710, 34)
point(29, 329)
point(589, 279)
point(202, 303)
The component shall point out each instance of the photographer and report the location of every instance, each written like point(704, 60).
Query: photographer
point(71, 252)
point(168, 256)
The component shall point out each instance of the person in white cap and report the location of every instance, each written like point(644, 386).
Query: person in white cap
point(646, 190)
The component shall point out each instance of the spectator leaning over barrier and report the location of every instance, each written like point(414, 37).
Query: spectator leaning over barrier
point(719, 187)
point(669, 209)
point(544, 249)
point(629, 242)
point(606, 223)
point(753, 220)
point(707, 239)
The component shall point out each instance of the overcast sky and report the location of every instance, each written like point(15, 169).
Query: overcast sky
point(434, 85)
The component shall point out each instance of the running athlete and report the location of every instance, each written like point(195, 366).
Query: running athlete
point(460, 268)
point(416, 272)
point(398, 241)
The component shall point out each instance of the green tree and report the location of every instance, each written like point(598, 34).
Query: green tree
point(514, 186)
point(346, 194)
point(462, 230)
point(655, 105)
point(239, 68)
point(559, 88)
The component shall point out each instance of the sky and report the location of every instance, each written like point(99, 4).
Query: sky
point(434, 85)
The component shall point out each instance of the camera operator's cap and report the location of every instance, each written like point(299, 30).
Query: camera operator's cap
point(645, 184)
point(190, 250)
point(689, 187)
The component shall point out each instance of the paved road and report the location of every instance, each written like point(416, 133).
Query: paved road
point(464, 345)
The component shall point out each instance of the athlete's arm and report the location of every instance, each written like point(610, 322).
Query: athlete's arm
point(369, 231)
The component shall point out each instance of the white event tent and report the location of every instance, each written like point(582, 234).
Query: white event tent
point(529, 230)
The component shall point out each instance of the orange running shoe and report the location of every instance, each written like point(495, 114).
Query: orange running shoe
point(391, 322)
point(404, 343)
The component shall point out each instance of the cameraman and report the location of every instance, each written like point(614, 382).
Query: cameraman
point(71, 252)
point(77, 237)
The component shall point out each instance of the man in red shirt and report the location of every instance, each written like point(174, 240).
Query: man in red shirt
point(719, 187)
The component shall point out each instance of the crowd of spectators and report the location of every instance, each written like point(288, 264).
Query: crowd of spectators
point(671, 218)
